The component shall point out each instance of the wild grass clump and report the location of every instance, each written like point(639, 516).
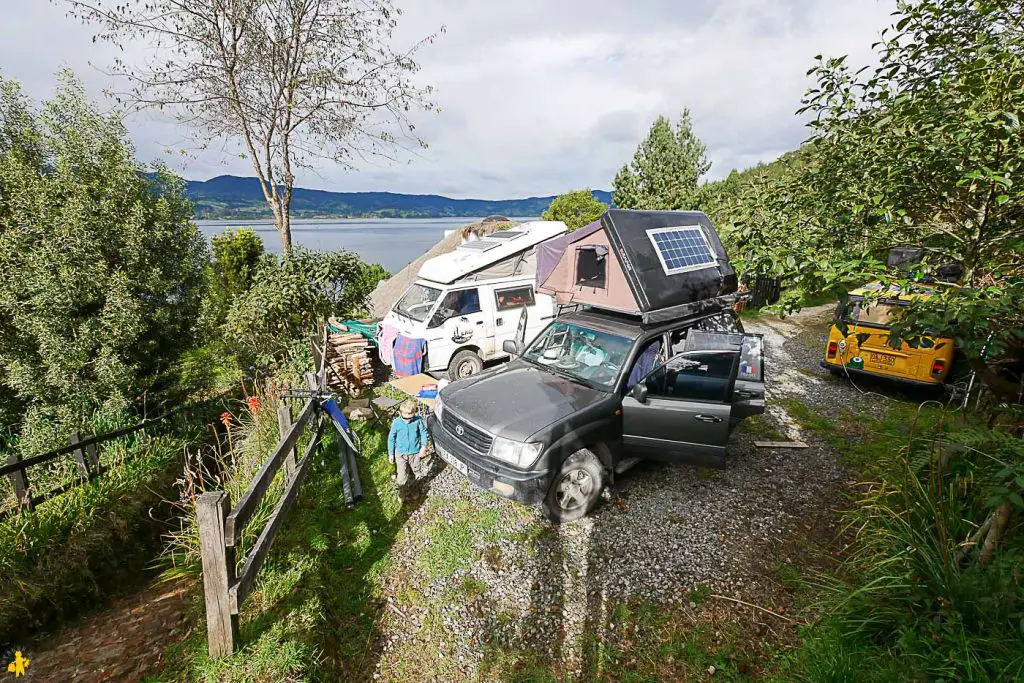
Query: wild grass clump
point(933, 588)
point(229, 464)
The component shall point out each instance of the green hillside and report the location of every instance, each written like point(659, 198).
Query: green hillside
point(231, 197)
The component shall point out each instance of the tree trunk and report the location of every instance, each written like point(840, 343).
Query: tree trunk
point(283, 222)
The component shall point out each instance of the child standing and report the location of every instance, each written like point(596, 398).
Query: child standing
point(407, 441)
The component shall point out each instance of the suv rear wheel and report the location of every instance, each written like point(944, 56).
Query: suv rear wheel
point(575, 488)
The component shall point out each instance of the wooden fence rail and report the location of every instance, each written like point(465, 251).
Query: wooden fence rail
point(221, 526)
point(86, 458)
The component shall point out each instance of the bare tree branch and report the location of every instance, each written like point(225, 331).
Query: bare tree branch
point(294, 81)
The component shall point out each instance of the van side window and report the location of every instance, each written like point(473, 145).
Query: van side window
point(455, 303)
point(700, 376)
point(513, 297)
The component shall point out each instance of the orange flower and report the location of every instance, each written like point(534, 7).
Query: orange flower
point(254, 404)
point(225, 419)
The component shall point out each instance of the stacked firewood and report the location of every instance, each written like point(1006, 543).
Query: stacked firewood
point(348, 360)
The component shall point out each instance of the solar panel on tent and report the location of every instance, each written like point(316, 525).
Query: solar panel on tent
point(505, 235)
point(479, 245)
point(682, 249)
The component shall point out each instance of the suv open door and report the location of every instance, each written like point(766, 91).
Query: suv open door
point(685, 408)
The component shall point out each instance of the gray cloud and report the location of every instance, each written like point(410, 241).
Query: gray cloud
point(536, 97)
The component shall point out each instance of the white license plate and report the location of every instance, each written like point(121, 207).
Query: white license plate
point(451, 460)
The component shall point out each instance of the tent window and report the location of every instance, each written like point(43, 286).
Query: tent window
point(591, 266)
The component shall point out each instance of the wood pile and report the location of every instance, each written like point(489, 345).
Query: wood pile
point(350, 367)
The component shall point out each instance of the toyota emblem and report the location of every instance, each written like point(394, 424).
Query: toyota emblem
point(459, 430)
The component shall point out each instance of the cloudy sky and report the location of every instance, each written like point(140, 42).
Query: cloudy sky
point(537, 96)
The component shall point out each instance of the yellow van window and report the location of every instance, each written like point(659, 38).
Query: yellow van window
point(872, 314)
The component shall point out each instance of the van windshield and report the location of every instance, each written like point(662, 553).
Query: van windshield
point(861, 312)
point(417, 302)
point(590, 356)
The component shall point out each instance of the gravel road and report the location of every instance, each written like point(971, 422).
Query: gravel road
point(663, 532)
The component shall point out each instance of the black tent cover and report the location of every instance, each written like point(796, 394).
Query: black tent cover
point(661, 296)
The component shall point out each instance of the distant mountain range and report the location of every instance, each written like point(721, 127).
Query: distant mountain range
point(231, 197)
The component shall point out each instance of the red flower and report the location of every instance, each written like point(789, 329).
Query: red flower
point(254, 404)
point(225, 419)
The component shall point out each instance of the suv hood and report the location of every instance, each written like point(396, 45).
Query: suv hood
point(518, 400)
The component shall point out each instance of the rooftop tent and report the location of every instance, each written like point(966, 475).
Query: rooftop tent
point(655, 264)
point(550, 253)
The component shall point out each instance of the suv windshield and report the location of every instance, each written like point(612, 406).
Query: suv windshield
point(417, 302)
point(580, 353)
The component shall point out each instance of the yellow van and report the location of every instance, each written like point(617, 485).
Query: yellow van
point(865, 350)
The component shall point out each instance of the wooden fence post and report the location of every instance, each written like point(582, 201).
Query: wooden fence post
point(20, 481)
point(218, 572)
point(284, 423)
point(83, 467)
point(94, 458)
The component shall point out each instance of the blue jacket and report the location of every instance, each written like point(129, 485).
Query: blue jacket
point(407, 438)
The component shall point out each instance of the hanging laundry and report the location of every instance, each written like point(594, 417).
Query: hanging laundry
point(408, 355)
point(386, 344)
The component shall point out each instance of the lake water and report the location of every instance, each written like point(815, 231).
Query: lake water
point(391, 242)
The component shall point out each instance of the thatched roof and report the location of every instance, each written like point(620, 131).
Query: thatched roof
point(388, 291)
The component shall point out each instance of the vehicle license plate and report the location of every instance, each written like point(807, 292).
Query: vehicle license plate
point(882, 359)
point(451, 460)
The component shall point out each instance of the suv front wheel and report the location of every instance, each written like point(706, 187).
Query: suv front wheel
point(575, 488)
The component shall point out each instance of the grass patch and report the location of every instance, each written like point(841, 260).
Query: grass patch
point(314, 613)
point(471, 588)
point(652, 643)
point(806, 417)
point(451, 540)
point(761, 426)
point(699, 594)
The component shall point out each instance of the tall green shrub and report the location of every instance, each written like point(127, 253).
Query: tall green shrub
point(102, 269)
point(236, 257)
point(575, 209)
point(290, 294)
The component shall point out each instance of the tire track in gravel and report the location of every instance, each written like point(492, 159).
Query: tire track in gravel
point(663, 532)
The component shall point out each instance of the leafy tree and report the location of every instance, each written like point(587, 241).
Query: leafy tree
point(292, 81)
point(575, 209)
point(102, 266)
point(665, 169)
point(926, 146)
point(926, 149)
point(290, 295)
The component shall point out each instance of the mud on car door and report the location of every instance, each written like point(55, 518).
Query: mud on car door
point(684, 409)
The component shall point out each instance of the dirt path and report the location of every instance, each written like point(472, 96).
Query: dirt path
point(124, 642)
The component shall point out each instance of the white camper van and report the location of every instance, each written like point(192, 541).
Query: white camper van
point(467, 302)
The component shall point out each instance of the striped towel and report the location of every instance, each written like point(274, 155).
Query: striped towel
point(408, 355)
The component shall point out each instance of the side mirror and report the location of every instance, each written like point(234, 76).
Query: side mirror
point(512, 347)
point(640, 393)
